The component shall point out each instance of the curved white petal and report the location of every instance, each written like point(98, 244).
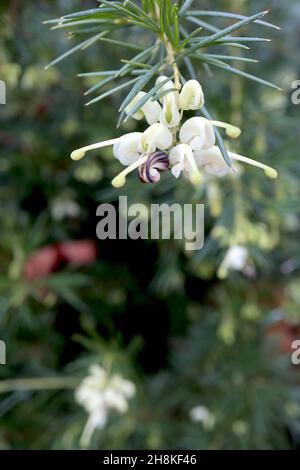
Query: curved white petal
point(126, 150)
point(139, 114)
point(212, 161)
point(167, 86)
point(157, 136)
point(151, 110)
point(170, 115)
point(181, 159)
point(198, 133)
point(191, 96)
point(177, 159)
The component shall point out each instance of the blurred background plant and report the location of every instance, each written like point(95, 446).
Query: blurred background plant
point(204, 338)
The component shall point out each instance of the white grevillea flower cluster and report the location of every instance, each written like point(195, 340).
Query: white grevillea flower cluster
point(201, 414)
point(185, 147)
point(99, 393)
point(236, 259)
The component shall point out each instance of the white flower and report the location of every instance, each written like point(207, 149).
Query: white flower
point(168, 85)
point(157, 136)
point(214, 164)
point(98, 393)
point(170, 115)
point(235, 259)
point(191, 96)
point(201, 414)
point(126, 149)
point(181, 159)
point(150, 110)
point(212, 161)
point(198, 133)
point(132, 149)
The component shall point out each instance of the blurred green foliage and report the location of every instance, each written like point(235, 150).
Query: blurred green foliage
point(160, 315)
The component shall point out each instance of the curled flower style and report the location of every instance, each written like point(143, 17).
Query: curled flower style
point(185, 147)
point(149, 172)
point(139, 148)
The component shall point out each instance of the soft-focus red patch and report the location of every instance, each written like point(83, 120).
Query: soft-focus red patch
point(48, 259)
point(42, 262)
point(80, 252)
point(284, 334)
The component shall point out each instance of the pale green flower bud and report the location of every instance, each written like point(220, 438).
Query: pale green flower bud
point(191, 96)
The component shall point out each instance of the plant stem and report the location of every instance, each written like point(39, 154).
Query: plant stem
point(172, 62)
point(43, 383)
point(170, 53)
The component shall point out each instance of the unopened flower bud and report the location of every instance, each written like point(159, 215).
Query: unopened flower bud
point(191, 96)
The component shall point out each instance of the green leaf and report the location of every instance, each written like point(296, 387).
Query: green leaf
point(99, 74)
point(141, 56)
point(112, 91)
point(203, 24)
point(185, 6)
point(207, 59)
point(128, 45)
point(137, 64)
point(230, 57)
point(223, 14)
point(146, 98)
point(165, 24)
point(99, 85)
point(83, 45)
point(142, 20)
point(92, 11)
point(224, 32)
point(82, 22)
point(228, 68)
point(190, 36)
point(229, 38)
point(142, 81)
point(176, 28)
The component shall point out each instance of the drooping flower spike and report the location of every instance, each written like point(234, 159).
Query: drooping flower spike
point(185, 147)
